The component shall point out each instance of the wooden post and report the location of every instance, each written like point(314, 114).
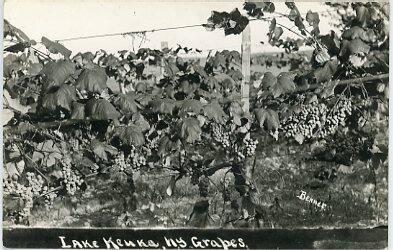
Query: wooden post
point(246, 68)
point(164, 45)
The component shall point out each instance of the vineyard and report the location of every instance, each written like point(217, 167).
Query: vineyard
point(105, 140)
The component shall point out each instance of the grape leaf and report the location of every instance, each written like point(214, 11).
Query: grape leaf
point(268, 81)
point(190, 130)
point(214, 112)
point(256, 9)
point(56, 73)
point(191, 105)
point(11, 63)
point(355, 32)
point(131, 135)
point(55, 47)
point(92, 80)
point(325, 73)
point(126, 103)
point(362, 15)
point(101, 149)
point(225, 81)
point(283, 85)
point(328, 89)
point(171, 69)
point(11, 30)
point(140, 121)
point(267, 118)
point(78, 111)
point(62, 98)
point(275, 32)
point(353, 47)
point(164, 106)
point(331, 42)
point(48, 151)
point(18, 47)
point(101, 109)
point(14, 168)
point(312, 18)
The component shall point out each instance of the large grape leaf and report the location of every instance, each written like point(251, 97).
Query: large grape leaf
point(164, 106)
point(190, 130)
point(225, 81)
point(78, 111)
point(267, 118)
point(192, 105)
point(92, 80)
point(101, 109)
point(354, 47)
point(57, 72)
point(101, 149)
point(325, 73)
point(284, 84)
point(48, 151)
point(355, 32)
point(11, 63)
point(126, 103)
point(140, 121)
point(268, 81)
point(55, 47)
point(214, 112)
point(131, 135)
point(62, 98)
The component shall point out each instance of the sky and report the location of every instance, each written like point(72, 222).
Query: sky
point(59, 19)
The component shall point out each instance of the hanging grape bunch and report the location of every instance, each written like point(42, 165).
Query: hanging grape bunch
point(25, 194)
point(239, 153)
point(35, 182)
point(220, 136)
point(203, 186)
point(250, 146)
point(71, 180)
point(137, 158)
point(315, 120)
point(120, 163)
point(307, 122)
point(336, 118)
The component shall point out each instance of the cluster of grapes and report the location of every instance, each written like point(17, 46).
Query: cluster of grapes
point(137, 159)
point(314, 120)
point(35, 182)
point(71, 180)
point(307, 122)
point(250, 146)
point(220, 136)
point(74, 143)
point(8, 186)
point(203, 186)
point(120, 163)
point(336, 118)
point(25, 193)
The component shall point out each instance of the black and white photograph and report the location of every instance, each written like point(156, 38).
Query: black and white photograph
point(195, 125)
